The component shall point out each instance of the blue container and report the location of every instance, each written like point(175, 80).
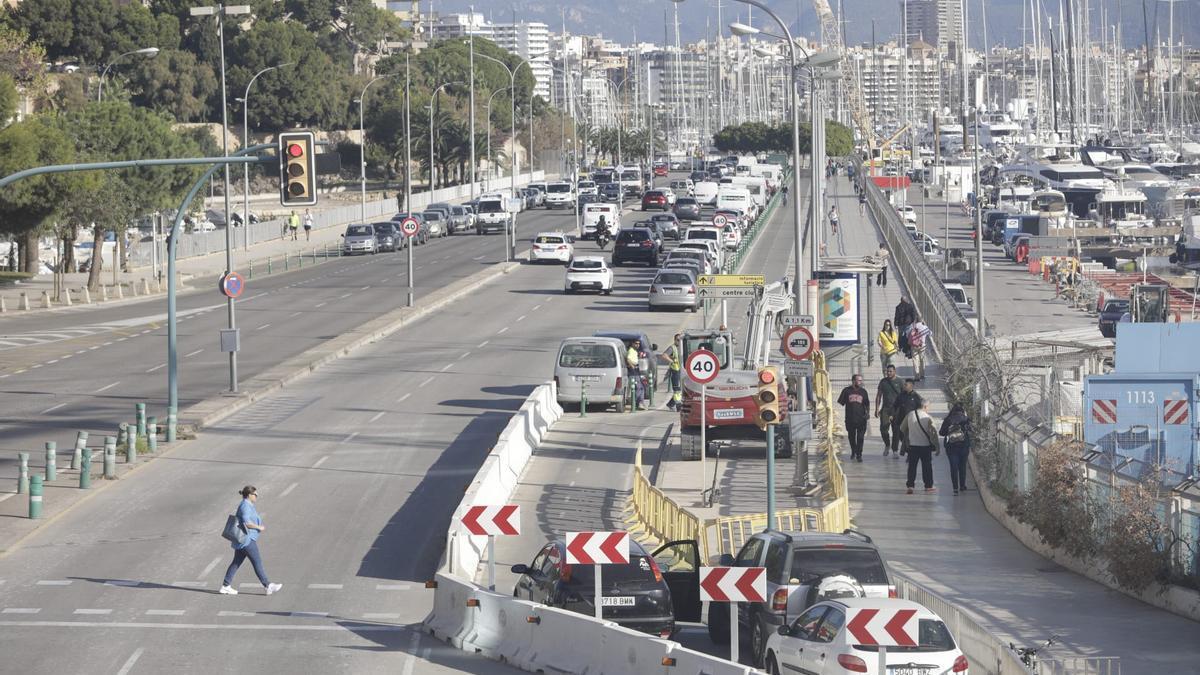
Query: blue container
point(1142, 420)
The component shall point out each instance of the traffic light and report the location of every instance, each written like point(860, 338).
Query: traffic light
point(297, 169)
point(767, 397)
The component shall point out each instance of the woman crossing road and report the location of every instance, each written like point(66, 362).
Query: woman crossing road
point(251, 522)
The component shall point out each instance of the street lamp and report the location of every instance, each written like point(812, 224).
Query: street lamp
point(245, 100)
point(432, 107)
point(362, 131)
point(512, 83)
point(148, 52)
point(220, 11)
point(487, 182)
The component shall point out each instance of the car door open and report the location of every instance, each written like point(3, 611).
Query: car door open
point(680, 565)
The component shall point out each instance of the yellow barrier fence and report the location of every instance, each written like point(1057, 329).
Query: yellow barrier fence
point(659, 514)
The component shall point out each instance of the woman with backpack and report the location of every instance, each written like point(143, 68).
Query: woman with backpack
point(956, 430)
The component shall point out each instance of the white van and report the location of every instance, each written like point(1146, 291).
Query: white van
point(592, 213)
point(492, 215)
point(559, 196)
point(736, 197)
point(705, 192)
point(592, 367)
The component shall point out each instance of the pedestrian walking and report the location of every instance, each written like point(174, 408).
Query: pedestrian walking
point(857, 404)
point(904, 317)
point(862, 201)
point(672, 358)
point(956, 432)
point(294, 225)
point(889, 345)
point(250, 521)
point(889, 390)
point(833, 218)
point(918, 341)
point(907, 401)
point(921, 434)
point(882, 254)
point(308, 225)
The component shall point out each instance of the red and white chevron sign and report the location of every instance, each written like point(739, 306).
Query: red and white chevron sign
point(883, 628)
point(1175, 411)
point(733, 584)
point(501, 520)
point(598, 548)
point(1104, 410)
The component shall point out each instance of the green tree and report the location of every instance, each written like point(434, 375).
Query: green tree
point(94, 31)
point(175, 83)
point(358, 23)
point(23, 62)
point(9, 97)
point(27, 205)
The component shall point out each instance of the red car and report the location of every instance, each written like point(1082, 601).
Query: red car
point(654, 199)
point(660, 170)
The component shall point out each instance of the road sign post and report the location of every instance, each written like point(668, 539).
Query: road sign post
point(883, 629)
point(702, 367)
point(409, 227)
point(733, 585)
point(598, 549)
point(491, 521)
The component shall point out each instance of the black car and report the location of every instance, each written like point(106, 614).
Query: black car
point(1110, 316)
point(611, 192)
point(588, 198)
point(698, 176)
point(635, 596)
point(636, 244)
point(687, 208)
point(388, 235)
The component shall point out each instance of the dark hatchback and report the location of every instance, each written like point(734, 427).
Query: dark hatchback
point(687, 209)
point(611, 192)
point(634, 596)
point(1110, 316)
point(636, 244)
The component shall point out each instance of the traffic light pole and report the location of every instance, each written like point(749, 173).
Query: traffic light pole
point(408, 176)
point(770, 476)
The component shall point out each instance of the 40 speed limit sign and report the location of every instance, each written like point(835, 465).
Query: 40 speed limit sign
point(702, 366)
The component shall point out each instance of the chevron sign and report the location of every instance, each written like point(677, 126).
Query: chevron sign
point(733, 584)
point(883, 628)
point(502, 520)
point(598, 548)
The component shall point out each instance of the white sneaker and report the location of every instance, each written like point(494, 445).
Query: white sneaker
point(228, 590)
point(273, 588)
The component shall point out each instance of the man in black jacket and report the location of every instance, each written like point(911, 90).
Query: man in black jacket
point(886, 394)
point(905, 316)
point(858, 412)
point(908, 401)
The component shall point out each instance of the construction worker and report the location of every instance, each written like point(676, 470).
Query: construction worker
point(633, 363)
point(674, 370)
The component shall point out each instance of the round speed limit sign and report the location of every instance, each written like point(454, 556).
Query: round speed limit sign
point(702, 366)
point(409, 226)
point(720, 220)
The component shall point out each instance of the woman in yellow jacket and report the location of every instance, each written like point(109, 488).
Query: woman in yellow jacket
point(889, 343)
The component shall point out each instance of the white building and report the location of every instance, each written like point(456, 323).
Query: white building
point(530, 41)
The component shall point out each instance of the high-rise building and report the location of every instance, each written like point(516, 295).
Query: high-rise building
point(937, 22)
point(529, 40)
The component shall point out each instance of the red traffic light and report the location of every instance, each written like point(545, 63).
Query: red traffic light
point(766, 376)
point(295, 150)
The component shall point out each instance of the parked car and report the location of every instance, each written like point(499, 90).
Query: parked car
point(646, 362)
point(611, 192)
point(655, 199)
point(801, 566)
point(462, 219)
point(555, 246)
point(816, 642)
point(591, 368)
point(422, 235)
point(359, 239)
point(1110, 316)
point(959, 295)
point(635, 244)
point(667, 224)
point(673, 288)
point(907, 213)
point(588, 273)
point(437, 222)
point(388, 235)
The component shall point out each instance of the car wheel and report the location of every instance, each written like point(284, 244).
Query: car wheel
point(608, 291)
point(694, 308)
point(718, 622)
point(621, 404)
point(758, 644)
point(772, 666)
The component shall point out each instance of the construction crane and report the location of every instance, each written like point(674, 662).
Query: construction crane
point(858, 107)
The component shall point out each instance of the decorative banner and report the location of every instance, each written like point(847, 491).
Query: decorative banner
point(839, 310)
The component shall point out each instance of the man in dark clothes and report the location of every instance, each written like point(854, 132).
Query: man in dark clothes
point(889, 390)
point(906, 402)
point(905, 316)
point(858, 412)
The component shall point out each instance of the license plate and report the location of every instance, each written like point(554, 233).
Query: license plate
point(728, 414)
point(587, 378)
point(909, 671)
point(671, 291)
point(617, 601)
point(632, 245)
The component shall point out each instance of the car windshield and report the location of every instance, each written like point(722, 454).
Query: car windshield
point(587, 265)
point(932, 636)
point(633, 235)
point(584, 355)
point(673, 278)
point(432, 215)
point(863, 564)
point(630, 175)
point(702, 234)
point(491, 207)
point(958, 295)
point(557, 188)
point(547, 239)
point(359, 231)
point(383, 228)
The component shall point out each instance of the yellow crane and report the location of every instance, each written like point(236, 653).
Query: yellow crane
point(858, 107)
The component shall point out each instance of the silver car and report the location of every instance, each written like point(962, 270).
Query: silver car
point(360, 239)
point(592, 369)
point(674, 288)
point(461, 219)
point(437, 222)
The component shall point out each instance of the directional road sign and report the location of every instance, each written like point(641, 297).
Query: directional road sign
point(702, 366)
point(806, 320)
point(883, 627)
point(409, 226)
point(727, 292)
point(736, 280)
point(496, 520)
point(232, 284)
point(733, 584)
point(793, 368)
point(798, 343)
point(598, 548)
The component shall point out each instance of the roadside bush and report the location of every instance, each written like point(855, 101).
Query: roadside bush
point(1137, 545)
point(1059, 505)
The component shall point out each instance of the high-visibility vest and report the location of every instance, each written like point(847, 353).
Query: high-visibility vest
point(673, 355)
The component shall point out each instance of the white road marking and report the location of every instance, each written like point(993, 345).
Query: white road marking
point(4, 375)
point(53, 408)
point(379, 414)
point(52, 362)
point(446, 367)
point(309, 615)
point(392, 587)
point(483, 344)
point(410, 660)
point(294, 314)
point(158, 367)
point(20, 610)
point(380, 616)
point(520, 318)
point(104, 345)
point(122, 339)
point(425, 382)
point(364, 288)
point(478, 257)
point(345, 296)
point(227, 612)
point(320, 305)
point(549, 298)
point(93, 611)
point(137, 654)
point(54, 582)
point(288, 490)
point(536, 307)
point(265, 325)
point(320, 461)
point(464, 355)
point(164, 612)
point(404, 397)
point(325, 587)
point(209, 567)
point(576, 469)
point(190, 355)
point(502, 330)
point(350, 437)
point(340, 627)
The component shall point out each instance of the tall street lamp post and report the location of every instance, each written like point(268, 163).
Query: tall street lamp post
point(220, 12)
point(362, 131)
point(487, 181)
point(148, 52)
point(245, 100)
point(432, 108)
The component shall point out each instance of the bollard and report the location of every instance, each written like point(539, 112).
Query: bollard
point(131, 450)
point(80, 448)
point(145, 286)
point(120, 291)
point(23, 473)
point(122, 434)
point(152, 434)
point(24, 301)
point(67, 297)
point(583, 400)
point(300, 259)
point(87, 295)
point(268, 264)
point(172, 421)
point(45, 299)
point(103, 293)
point(286, 258)
point(85, 471)
point(250, 269)
point(35, 497)
point(51, 461)
point(110, 457)
point(3, 309)
point(140, 410)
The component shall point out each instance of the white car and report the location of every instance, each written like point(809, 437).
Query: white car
point(907, 213)
point(587, 187)
point(818, 642)
point(732, 236)
point(589, 273)
point(554, 246)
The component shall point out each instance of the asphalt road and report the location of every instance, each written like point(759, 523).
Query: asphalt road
point(84, 368)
